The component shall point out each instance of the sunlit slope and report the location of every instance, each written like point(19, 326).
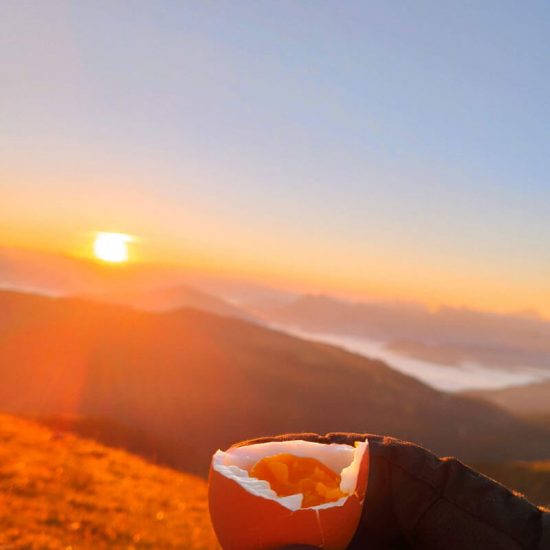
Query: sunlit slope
point(196, 382)
point(58, 491)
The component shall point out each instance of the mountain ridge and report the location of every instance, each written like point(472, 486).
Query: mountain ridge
point(203, 382)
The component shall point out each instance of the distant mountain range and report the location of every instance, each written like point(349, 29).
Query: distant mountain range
point(169, 299)
point(57, 274)
point(447, 336)
point(516, 343)
point(162, 286)
point(196, 382)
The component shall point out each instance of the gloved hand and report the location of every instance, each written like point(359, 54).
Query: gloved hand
point(416, 500)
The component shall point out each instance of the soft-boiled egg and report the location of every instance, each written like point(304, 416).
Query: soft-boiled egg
point(271, 495)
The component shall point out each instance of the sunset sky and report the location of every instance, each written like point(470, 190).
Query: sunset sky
point(377, 149)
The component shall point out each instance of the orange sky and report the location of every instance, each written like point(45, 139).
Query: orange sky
point(314, 156)
point(304, 266)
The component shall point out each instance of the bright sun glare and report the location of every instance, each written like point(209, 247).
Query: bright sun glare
point(112, 247)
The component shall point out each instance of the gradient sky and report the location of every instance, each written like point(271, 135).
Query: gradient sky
point(393, 149)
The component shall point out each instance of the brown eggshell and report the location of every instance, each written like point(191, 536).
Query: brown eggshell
point(243, 521)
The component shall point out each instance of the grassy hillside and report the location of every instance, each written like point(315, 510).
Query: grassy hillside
point(196, 382)
point(530, 478)
point(59, 492)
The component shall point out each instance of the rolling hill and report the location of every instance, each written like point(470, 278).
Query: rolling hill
point(196, 382)
point(528, 400)
point(58, 491)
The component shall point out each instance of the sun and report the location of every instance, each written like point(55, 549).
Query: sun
point(112, 247)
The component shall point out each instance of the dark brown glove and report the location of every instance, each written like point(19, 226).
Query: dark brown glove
point(416, 500)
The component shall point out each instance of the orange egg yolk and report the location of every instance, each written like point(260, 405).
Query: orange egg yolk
point(289, 475)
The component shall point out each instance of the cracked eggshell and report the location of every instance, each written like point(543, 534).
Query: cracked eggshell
point(248, 515)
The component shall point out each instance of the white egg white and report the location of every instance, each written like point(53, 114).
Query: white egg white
point(345, 460)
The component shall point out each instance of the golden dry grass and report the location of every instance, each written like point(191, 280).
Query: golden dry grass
point(59, 492)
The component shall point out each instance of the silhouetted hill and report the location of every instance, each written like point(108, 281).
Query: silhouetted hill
point(201, 381)
point(528, 400)
point(171, 298)
point(542, 420)
point(529, 478)
point(59, 491)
